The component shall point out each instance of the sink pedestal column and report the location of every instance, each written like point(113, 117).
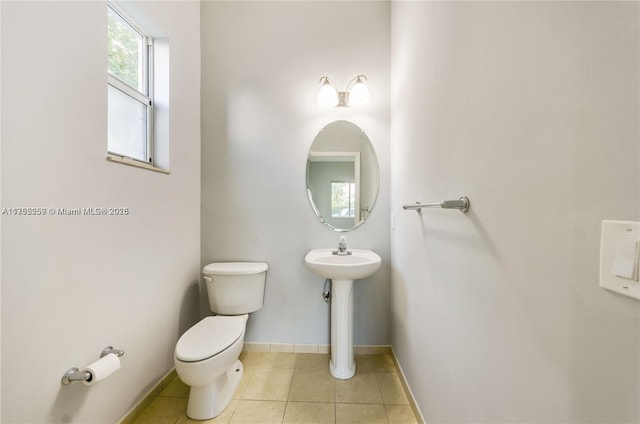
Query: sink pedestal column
point(342, 364)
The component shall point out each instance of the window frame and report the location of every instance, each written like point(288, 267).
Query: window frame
point(352, 194)
point(145, 98)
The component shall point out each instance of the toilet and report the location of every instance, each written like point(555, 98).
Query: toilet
point(206, 355)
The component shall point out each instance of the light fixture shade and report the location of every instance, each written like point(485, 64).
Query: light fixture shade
point(359, 93)
point(327, 96)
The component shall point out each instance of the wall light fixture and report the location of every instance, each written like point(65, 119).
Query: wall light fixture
point(356, 94)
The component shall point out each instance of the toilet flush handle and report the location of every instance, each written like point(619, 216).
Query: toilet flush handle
point(208, 279)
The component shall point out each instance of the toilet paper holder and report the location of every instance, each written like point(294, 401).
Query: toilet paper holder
point(74, 374)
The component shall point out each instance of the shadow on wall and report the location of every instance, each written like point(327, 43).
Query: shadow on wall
point(190, 308)
point(460, 235)
point(69, 400)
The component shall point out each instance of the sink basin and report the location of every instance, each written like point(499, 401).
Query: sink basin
point(361, 263)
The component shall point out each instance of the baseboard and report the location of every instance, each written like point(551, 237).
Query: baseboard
point(312, 348)
point(285, 347)
point(153, 393)
point(412, 400)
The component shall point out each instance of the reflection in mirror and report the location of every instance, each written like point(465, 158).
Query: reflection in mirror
point(342, 176)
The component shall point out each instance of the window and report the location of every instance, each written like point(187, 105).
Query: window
point(343, 199)
point(130, 97)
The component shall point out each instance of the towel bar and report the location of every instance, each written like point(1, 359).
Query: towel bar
point(462, 204)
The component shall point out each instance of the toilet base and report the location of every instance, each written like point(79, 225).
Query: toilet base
point(207, 402)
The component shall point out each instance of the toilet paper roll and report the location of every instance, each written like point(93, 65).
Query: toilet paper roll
point(102, 368)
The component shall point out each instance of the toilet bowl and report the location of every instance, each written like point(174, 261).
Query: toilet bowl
point(206, 359)
point(206, 355)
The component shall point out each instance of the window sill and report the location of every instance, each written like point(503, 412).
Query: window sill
point(137, 164)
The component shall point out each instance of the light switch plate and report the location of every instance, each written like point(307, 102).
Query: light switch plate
point(613, 232)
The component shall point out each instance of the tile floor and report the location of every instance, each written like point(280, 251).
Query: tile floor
point(298, 388)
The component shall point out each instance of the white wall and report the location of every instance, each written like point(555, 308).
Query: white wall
point(0, 219)
point(72, 285)
point(530, 109)
point(261, 65)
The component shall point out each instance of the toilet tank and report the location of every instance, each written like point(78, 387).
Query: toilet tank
point(235, 288)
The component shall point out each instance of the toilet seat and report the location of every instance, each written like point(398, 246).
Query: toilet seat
point(209, 337)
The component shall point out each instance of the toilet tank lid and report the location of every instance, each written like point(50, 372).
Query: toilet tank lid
point(235, 268)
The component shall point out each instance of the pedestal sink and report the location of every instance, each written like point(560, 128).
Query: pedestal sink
point(342, 270)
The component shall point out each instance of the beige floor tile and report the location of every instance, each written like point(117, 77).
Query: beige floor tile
point(223, 418)
point(375, 363)
point(269, 384)
point(400, 414)
point(176, 389)
point(362, 388)
point(312, 361)
point(374, 395)
point(348, 413)
point(313, 386)
point(310, 413)
point(146, 402)
point(278, 360)
point(163, 410)
point(376, 350)
point(258, 412)
point(247, 374)
point(250, 359)
point(391, 388)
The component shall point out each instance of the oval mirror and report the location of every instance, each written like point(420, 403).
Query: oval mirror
point(342, 176)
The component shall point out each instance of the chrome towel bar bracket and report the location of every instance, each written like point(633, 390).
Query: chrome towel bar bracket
point(74, 374)
point(462, 204)
point(109, 349)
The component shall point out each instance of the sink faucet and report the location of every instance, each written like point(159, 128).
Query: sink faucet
point(342, 247)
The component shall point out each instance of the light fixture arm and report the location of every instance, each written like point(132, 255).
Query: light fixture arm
point(327, 98)
point(359, 78)
point(325, 80)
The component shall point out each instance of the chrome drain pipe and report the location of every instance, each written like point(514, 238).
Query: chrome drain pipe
point(326, 293)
